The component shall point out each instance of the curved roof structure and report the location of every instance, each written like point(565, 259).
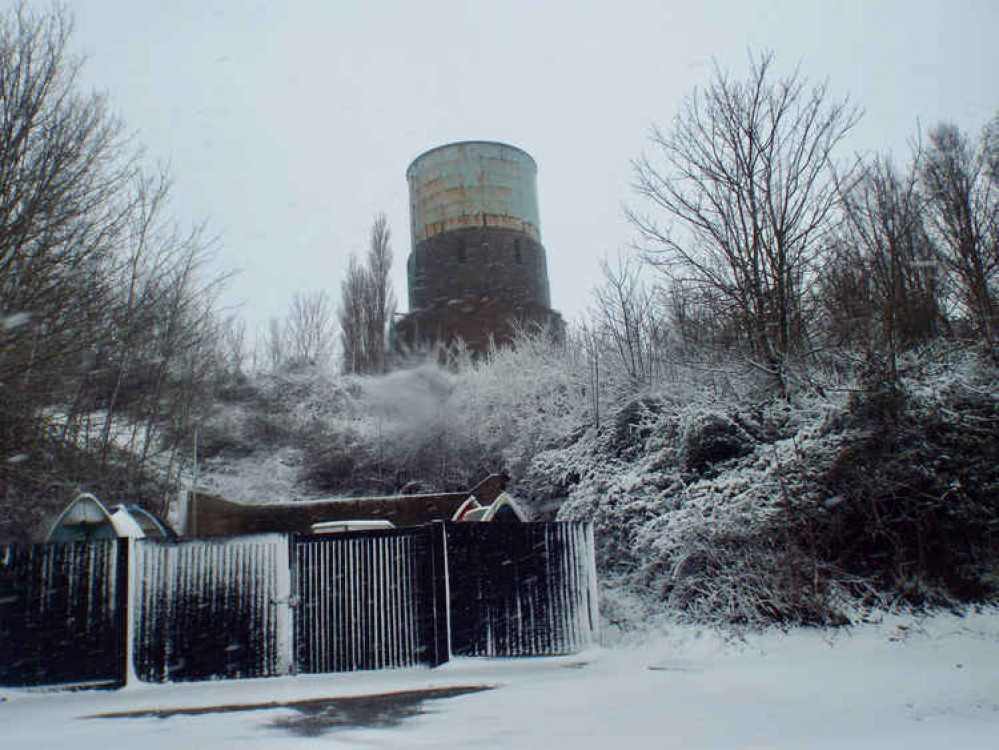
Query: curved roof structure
point(87, 518)
point(503, 508)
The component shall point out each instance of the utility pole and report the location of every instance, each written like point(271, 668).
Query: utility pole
point(191, 496)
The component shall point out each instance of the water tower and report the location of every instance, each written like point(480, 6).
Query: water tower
point(477, 266)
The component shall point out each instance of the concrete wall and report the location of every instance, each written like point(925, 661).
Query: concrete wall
point(211, 515)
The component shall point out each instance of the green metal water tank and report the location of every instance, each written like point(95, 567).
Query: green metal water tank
point(473, 184)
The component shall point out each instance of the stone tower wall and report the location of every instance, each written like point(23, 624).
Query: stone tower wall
point(478, 264)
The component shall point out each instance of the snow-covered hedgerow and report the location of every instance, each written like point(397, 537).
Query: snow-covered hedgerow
point(710, 539)
point(713, 503)
point(804, 512)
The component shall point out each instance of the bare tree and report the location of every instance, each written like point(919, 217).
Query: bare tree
point(890, 248)
point(232, 350)
point(62, 170)
point(139, 275)
point(309, 329)
point(962, 208)
point(275, 343)
point(845, 296)
point(119, 309)
point(626, 315)
point(700, 319)
point(743, 179)
point(991, 144)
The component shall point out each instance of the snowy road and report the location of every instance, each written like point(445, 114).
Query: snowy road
point(903, 684)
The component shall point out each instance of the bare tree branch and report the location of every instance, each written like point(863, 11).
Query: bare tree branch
point(743, 181)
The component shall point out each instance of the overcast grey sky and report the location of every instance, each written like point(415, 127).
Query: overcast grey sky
point(289, 124)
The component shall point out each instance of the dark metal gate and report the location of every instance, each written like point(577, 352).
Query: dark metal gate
point(370, 600)
point(205, 609)
point(62, 610)
point(521, 589)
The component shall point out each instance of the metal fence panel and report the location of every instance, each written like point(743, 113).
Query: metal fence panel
point(521, 589)
point(369, 600)
point(211, 609)
point(62, 613)
point(264, 605)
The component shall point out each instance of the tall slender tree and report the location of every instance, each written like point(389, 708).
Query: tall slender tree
point(380, 302)
point(366, 305)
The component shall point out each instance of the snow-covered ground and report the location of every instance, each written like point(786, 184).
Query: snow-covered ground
point(902, 683)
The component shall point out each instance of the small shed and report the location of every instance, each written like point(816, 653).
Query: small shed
point(87, 518)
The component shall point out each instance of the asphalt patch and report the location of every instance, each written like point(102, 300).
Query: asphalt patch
point(317, 716)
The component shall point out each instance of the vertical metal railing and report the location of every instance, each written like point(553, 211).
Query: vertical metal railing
point(275, 604)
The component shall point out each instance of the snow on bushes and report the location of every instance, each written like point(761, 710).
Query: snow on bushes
point(710, 439)
point(725, 507)
point(802, 512)
point(423, 428)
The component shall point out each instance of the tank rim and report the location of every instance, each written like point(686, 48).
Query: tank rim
point(473, 142)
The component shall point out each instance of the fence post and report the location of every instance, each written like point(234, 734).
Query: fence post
point(592, 598)
point(123, 601)
point(441, 649)
point(295, 604)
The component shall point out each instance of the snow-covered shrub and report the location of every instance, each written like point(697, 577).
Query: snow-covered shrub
point(446, 428)
point(522, 398)
point(640, 419)
point(722, 547)
point(228, 433)
point(732, 548)
point(917, 492)
point(332, 459)
point(830, 504)
point(711, 438)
